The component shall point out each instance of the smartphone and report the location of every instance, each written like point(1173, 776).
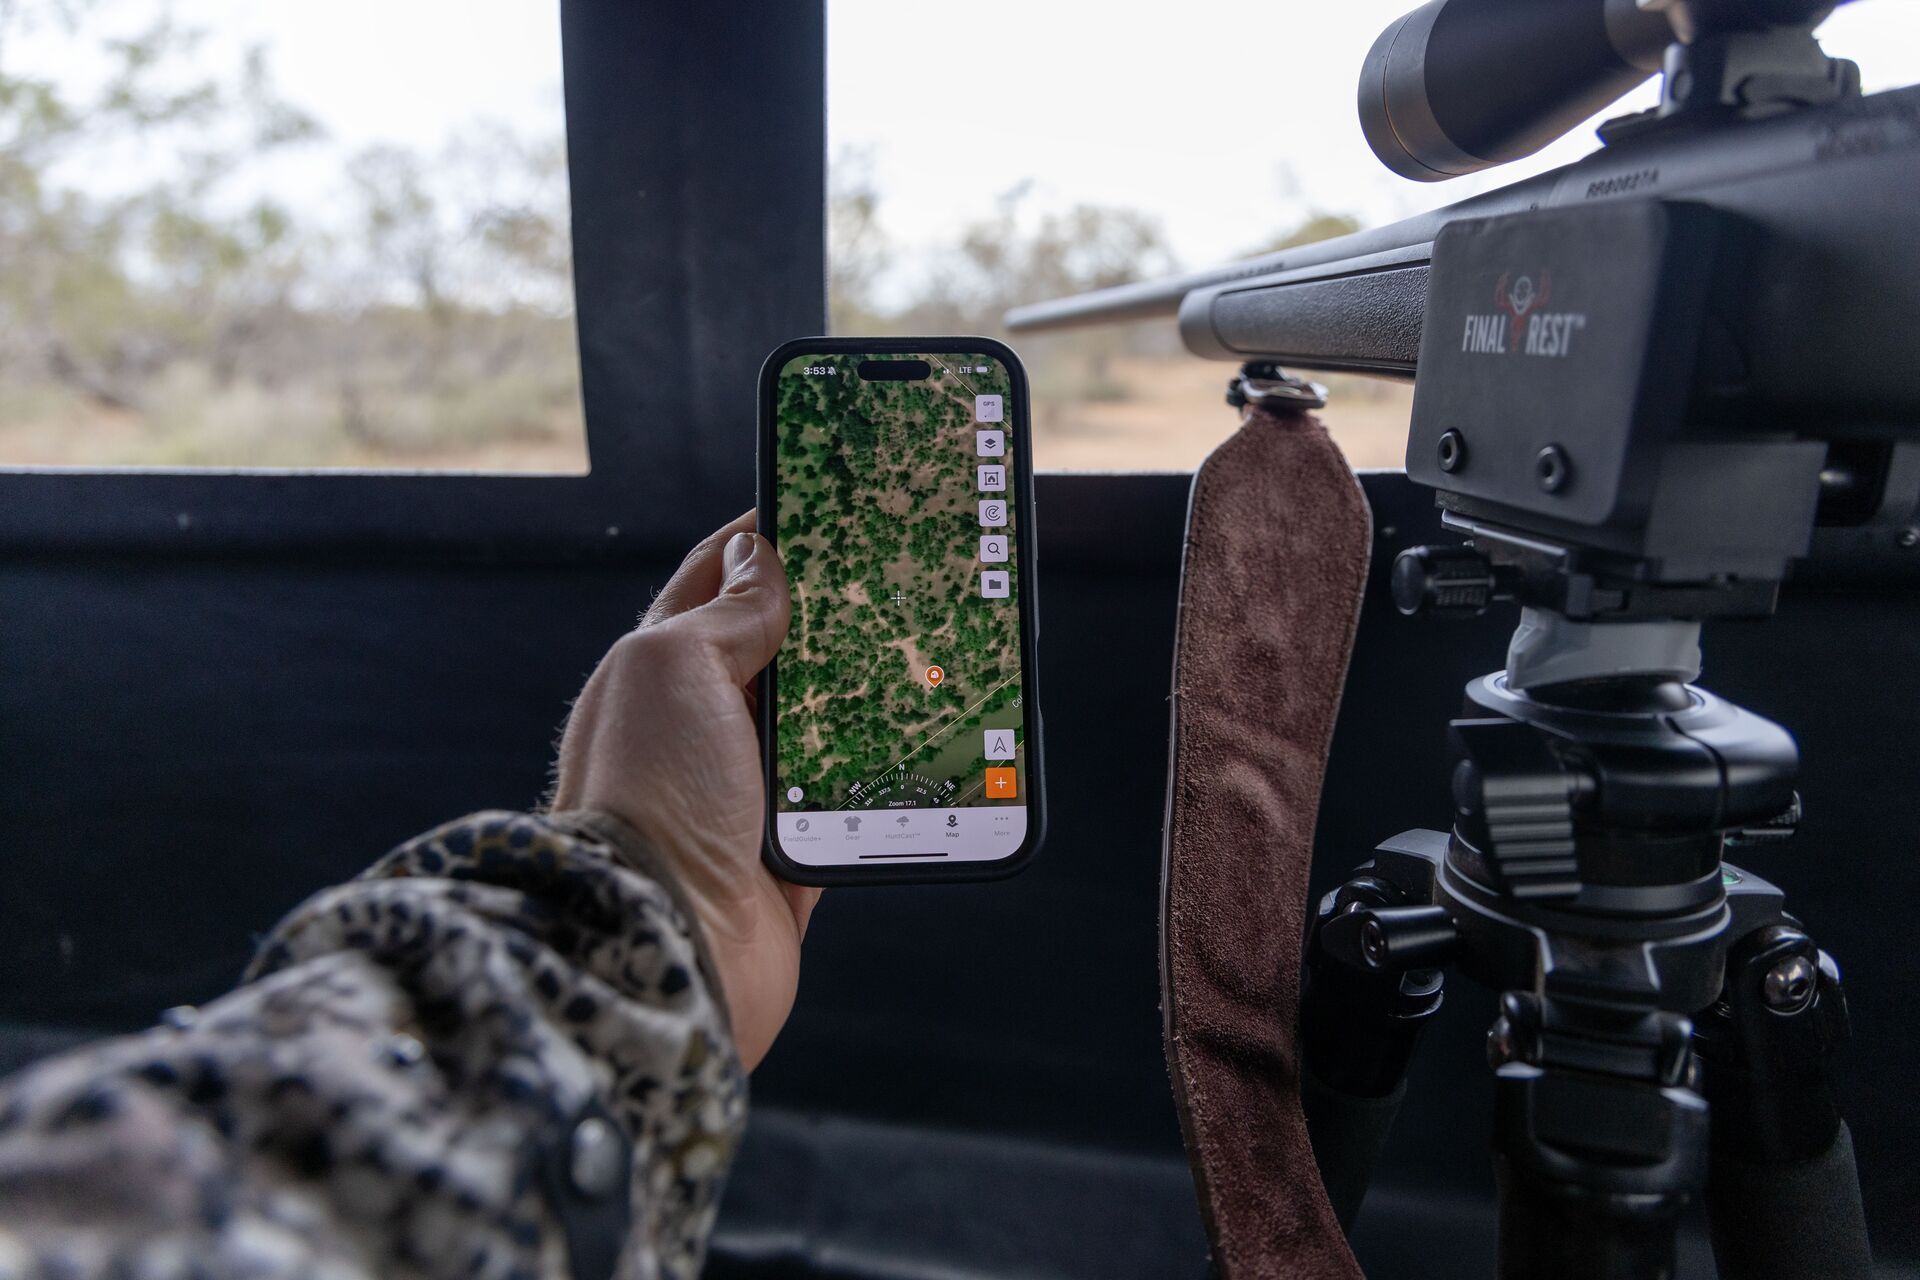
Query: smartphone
point(900, 721)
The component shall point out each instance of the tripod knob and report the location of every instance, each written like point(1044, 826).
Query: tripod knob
point(1454, 581)
point(1516, 798)
point(1401, 938)
point(1781, 826)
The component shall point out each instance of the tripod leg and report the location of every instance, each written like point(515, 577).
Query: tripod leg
point(1783, 1196)
point(1598, 1143)
point(1358, 1026)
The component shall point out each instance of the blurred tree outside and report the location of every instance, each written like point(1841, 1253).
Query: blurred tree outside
point(155, 309)
point(1116, 397)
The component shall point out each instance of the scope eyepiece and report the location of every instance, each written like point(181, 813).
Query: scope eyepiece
point(1457, 86)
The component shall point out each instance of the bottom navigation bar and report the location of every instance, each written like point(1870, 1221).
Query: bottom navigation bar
point(840, 837)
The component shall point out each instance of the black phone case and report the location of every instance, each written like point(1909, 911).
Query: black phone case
point(1029, 605)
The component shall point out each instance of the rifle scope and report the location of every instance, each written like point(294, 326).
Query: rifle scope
point(1457, 86)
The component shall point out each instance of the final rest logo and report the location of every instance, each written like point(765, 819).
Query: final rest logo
point(1522, 324)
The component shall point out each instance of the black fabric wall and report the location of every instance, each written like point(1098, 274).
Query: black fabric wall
point(972, 1083)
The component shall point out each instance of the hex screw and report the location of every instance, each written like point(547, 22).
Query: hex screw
point(1453, 451)
point(1373, 943)
point(1502, 1046)
point(1789, 986)
point(1552, 468)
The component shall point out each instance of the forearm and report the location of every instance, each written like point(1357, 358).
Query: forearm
point(447, 1066)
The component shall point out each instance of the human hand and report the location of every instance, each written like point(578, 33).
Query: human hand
point(663, 737)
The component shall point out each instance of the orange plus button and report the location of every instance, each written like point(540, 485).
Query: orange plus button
point(1001, 784)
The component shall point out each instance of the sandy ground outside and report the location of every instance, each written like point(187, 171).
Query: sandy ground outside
point(1155, 413)
point(1167, 413)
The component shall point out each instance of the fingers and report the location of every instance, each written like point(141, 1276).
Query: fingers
point(745, 622)
point(698, 578)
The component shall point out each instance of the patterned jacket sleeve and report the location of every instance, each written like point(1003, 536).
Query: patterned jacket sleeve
point(500, 1052)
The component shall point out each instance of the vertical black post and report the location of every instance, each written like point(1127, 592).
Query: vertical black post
point(696, 139)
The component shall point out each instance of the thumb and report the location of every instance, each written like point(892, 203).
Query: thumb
point(746, 622)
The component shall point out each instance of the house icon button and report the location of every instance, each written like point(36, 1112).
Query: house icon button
point(853, 824)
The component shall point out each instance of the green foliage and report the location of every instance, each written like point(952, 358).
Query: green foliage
point(876, 495)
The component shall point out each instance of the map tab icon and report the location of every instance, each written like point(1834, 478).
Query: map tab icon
point(999, 744)
point(987, 409)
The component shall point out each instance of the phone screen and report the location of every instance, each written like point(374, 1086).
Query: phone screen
point(900, 725)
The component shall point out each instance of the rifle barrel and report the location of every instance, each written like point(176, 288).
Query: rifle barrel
point(1826, 187)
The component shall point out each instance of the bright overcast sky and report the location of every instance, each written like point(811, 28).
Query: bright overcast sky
point(1226, 119)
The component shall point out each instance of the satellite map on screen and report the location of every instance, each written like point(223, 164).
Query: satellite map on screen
point(899, 683)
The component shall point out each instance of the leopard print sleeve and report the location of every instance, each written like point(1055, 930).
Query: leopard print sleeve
point(499, 1053)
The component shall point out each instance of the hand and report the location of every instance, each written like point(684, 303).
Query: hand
point(663, 736)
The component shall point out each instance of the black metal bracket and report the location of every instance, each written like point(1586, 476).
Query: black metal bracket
point(1265, 385)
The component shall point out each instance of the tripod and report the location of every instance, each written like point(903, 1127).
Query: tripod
point(1642, 383)
point(1666, 1030)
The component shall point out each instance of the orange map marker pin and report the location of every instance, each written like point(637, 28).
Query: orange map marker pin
point(934, 676)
